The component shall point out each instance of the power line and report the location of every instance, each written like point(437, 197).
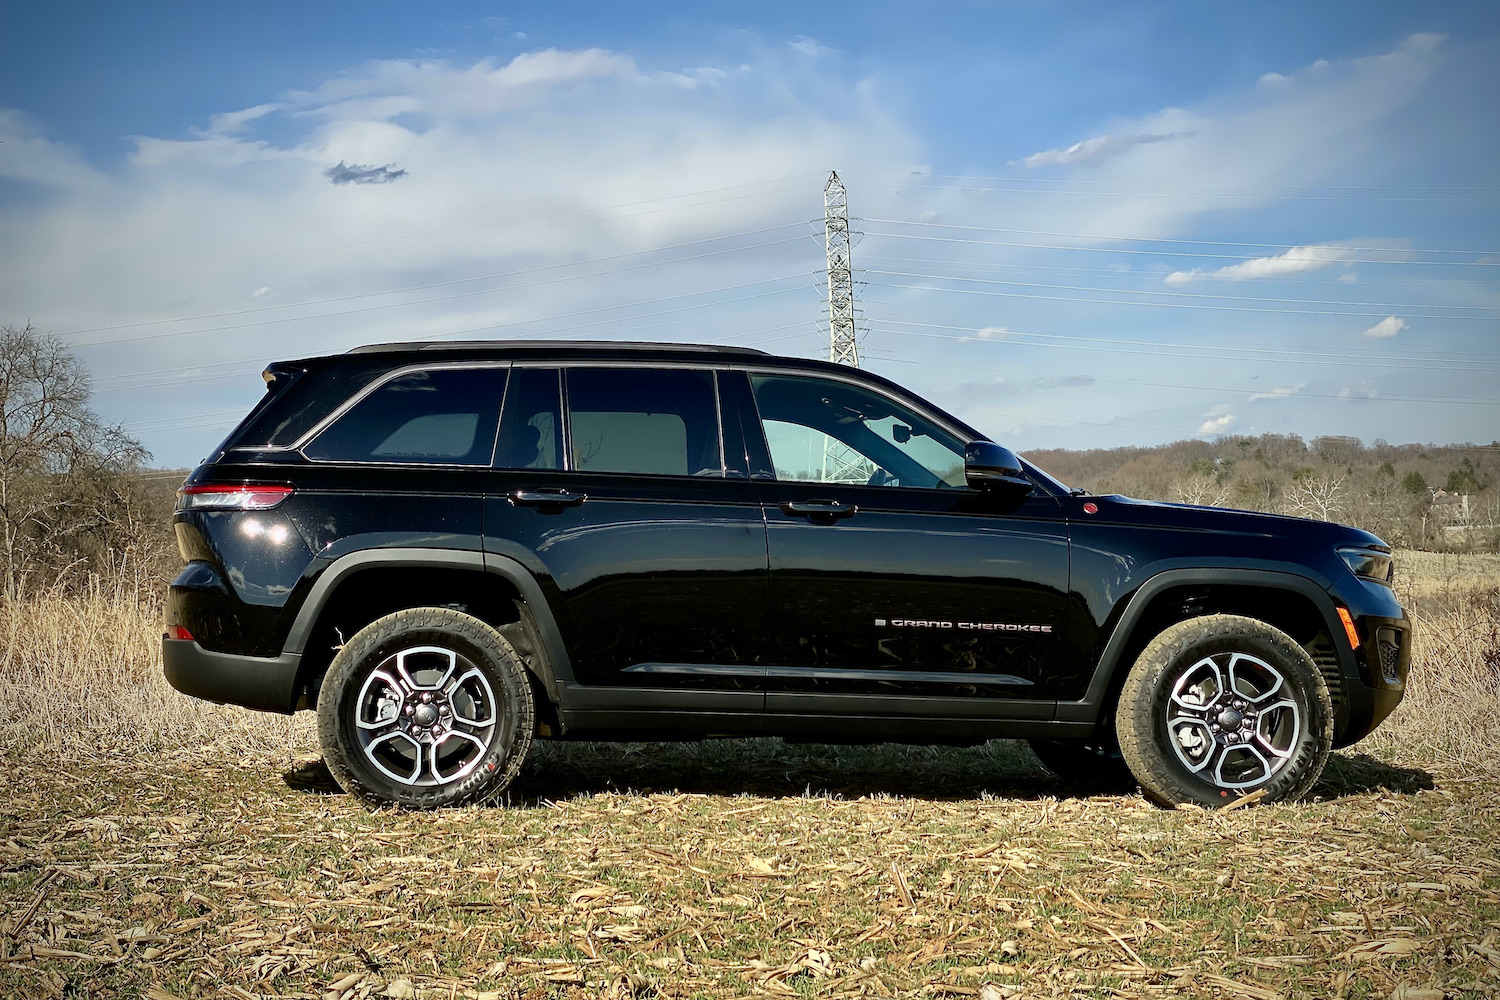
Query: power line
point(1182, 195)
point(1464, 400)
point(439, 298)
point(1382, 306)
point(1154, 239)
point(1286, 356)
point(1126, 271)
point(1164, 305)
point(1175, 183)
point(481, 277)
point(1157, 253)
point(559, 219)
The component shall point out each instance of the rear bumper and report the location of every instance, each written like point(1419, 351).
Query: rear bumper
point(266, 685)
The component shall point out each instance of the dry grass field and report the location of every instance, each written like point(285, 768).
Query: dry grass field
point(154, 847)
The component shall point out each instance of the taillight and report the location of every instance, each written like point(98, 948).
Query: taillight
point(244, 496)
point(178, 632)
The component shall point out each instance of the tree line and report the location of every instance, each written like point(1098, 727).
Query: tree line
point(1417, 495)
point(78, 504)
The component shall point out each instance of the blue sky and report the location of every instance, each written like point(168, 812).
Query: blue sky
point(1081, 224)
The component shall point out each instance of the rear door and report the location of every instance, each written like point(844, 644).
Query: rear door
point(612, 486)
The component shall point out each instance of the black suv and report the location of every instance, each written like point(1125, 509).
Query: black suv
point(449, 550)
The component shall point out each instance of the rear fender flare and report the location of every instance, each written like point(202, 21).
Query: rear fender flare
point(553, 668)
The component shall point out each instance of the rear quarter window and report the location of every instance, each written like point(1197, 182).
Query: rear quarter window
point(433, 417)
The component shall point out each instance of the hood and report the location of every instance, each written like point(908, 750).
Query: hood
point(1117, 509)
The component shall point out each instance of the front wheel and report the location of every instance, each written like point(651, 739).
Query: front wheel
point(1220, 707)
point(424, 708)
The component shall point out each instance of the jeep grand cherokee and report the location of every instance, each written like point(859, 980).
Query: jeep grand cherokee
point(450, 550)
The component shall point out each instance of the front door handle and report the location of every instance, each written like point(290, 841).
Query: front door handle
point(831, 509)
point(561, 498)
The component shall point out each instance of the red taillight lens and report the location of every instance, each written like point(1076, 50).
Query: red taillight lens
point(243, 496)
point(178, 632)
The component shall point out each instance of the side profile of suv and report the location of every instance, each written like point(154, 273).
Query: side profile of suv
point(449, 550)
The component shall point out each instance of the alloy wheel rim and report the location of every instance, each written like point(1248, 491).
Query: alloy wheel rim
point(1232, 721)
point(426, 716)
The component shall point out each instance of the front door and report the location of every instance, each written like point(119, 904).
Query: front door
point(891, 579)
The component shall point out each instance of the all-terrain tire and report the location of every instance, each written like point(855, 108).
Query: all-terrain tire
point(1091, 766)
point(1223, 706)
point(425, 708)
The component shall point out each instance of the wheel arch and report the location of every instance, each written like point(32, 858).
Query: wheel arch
point(362, 586)
point(1295, 604)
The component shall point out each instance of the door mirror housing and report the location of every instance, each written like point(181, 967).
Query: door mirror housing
point(989, 466)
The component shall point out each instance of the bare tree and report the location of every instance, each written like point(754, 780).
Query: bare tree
point(57, 459)
point(1202, 491)
point(1316, 495)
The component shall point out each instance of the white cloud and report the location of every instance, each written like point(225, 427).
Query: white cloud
point(25, 155)
point(1294, 261)
point(1098, 149)
point(1359, 389)
point(513, 170)
point(1280, 392)
point(1348, 278)
point(808, 46)
point(1388, 327)
point(1217, 425)
point(992, 333)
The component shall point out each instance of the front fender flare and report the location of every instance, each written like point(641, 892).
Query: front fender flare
point(1088, 708)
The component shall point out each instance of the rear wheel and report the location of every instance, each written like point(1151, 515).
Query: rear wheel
point(1224, 706)
point(424, 708)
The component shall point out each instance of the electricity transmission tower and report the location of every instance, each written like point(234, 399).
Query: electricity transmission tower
point(841, 464)
point(842, 348)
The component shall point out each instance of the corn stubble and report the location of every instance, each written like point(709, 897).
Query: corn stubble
point(153, 846)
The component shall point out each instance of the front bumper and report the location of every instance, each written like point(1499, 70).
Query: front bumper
point(264, 684)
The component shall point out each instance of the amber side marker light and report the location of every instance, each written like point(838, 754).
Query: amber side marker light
point(1349, 628)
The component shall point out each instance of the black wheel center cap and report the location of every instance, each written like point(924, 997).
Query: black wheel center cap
point(1230, 719)
point(426, 715)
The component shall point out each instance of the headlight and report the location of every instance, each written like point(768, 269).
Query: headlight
point(1370, 563)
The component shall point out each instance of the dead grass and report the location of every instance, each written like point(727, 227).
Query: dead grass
point(82, 675)
point(151, 846)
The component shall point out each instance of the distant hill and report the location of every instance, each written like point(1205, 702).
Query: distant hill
point(1423, 495)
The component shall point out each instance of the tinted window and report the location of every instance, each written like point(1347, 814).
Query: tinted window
point(822, 430)
point(439, 417)
point(531, 428)
point(657, 422)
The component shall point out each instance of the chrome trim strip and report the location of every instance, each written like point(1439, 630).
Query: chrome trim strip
point(829, 674)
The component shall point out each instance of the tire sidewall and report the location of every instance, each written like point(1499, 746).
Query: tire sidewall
point(338, 705)
point(1169, 657)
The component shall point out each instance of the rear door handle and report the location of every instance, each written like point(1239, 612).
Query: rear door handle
point(561, 498)
point(830, 509)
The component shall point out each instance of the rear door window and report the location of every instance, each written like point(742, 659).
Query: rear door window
point(661, 422)
point(434, 417)
point(531, 428)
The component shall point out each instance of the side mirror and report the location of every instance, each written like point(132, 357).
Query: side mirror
point(989, 466)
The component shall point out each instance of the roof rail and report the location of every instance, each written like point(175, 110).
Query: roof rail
point(508, 345)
